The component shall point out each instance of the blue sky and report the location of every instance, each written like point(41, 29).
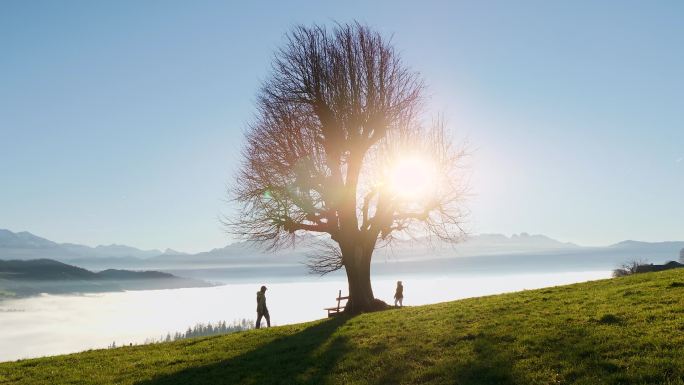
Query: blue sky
point(121, 122)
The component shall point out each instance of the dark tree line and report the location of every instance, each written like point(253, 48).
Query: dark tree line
point(200, 330)
point(209, 329)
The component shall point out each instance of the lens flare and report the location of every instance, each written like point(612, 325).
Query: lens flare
point(413, 178)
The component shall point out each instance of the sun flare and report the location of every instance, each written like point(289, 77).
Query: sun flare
point(413, 178)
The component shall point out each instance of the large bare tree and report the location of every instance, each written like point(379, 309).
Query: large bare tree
point(339, 146)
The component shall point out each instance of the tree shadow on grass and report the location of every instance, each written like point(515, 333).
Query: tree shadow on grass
point(306, 357)
point(491, 365)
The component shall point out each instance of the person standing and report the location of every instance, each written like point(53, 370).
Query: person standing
point(399, 295)
point(262, 310)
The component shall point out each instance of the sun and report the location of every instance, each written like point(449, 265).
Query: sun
point(413, 178)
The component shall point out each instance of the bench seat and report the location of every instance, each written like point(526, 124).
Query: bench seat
point(336, 310)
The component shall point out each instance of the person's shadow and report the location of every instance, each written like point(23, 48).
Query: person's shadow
point(304, 357)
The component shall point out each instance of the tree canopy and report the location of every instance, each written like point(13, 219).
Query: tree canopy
point(340, 145)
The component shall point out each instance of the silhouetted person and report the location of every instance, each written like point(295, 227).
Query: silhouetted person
point(399, 294)
point(262, 310)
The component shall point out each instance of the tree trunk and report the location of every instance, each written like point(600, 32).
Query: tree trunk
point(356, 259)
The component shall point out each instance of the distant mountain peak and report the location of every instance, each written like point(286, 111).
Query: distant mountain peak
point(23, 239)
point(633, 243)
point(624, 243)
point(173, 252)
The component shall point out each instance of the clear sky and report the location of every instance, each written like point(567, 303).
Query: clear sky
point(121, 121)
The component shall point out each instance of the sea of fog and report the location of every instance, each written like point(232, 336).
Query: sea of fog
point(57, 324)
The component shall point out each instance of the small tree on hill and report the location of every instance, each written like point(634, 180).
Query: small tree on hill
point(339, 146)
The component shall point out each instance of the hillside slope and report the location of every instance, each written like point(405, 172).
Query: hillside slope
point(21, 278)
point(618, 331)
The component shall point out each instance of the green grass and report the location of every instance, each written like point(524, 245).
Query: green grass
point(620, 331)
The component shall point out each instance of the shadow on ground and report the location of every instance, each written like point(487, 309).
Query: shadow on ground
point(306, 357)
point(484, 355)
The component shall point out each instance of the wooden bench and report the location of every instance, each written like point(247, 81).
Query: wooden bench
point(333, 311)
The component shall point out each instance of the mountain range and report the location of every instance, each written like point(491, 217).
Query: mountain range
point(24, 245)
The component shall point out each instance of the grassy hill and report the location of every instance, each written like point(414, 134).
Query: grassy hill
point(620, 331)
